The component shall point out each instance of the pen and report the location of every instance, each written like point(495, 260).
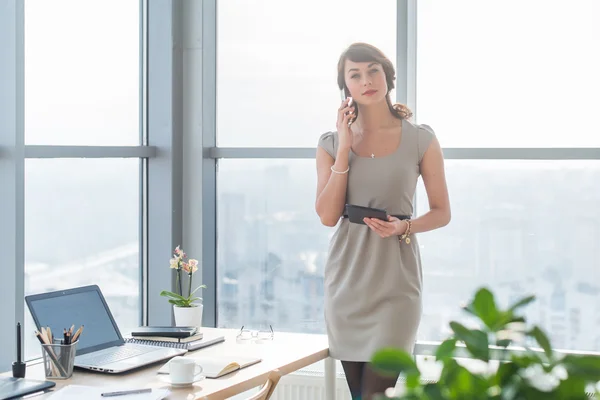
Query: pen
point(19, 342)
point(124, 392)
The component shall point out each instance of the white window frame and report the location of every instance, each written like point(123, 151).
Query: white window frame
point(178, 152)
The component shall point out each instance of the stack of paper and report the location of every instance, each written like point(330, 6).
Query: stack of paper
point(78, 392)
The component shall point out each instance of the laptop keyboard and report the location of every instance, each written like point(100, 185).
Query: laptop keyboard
point(122, 353)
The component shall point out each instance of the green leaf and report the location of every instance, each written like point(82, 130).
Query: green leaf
point(392, 361)
point(571, 388)
point(505, 318)
point(446, 349)
point(413, 381)
point(542, 340)
point(433, 392)
point(484, 307)
point(463, 384)
point(526, 360)
point(523, 302)
point(166, 293)
point(475, 340)
point(199, 287)
point(190, 301)
point(583, 366)
point(179, 303)
point(505, 373)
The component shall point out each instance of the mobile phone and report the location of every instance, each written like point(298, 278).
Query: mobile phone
point(165, 331)
point(343, 95)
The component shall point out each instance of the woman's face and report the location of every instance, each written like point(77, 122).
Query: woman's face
point(365, 81)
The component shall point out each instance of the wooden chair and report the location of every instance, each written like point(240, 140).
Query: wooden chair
point(268, 388)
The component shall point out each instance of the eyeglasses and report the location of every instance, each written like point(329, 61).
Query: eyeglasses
point(256, 336)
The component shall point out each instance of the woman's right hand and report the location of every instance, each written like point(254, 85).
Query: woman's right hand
point(345, 114)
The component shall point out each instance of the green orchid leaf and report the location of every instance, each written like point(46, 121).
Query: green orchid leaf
point(166, 293)
point(199, 287)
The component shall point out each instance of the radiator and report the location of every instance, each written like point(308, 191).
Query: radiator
point(308, 385)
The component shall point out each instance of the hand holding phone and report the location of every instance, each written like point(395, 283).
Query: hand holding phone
point(345, 117)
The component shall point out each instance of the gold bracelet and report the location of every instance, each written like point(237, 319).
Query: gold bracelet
point(406, 235)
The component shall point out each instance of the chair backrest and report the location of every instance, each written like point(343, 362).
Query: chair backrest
point(268, 388)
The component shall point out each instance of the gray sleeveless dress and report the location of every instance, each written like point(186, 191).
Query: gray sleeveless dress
point(373, 285)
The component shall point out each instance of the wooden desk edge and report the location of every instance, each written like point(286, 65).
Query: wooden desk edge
point(260, 379)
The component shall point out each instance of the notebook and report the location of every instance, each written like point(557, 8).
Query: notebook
point(192, 338)
point(208, 339)
point(217, 366)
point(78, 392)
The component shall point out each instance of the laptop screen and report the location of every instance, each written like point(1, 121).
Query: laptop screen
point(60, 310)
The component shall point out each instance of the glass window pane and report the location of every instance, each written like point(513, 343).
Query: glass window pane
point(531, 227)
point(82, 228)
point(509, 73)
point(271, 246)
point(277, 66)
point(82, 72)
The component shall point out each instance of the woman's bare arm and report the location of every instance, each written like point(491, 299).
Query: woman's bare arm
point(331, 187)
point(434, 178)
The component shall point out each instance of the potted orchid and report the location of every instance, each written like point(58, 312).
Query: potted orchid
point(187, 311)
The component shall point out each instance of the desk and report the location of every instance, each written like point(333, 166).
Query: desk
point(288, 352)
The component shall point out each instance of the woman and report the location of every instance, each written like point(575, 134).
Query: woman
point(373, 276)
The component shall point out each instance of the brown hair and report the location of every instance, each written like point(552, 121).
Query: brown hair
point(363, 52)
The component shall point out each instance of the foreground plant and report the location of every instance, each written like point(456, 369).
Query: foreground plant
point(526, 373)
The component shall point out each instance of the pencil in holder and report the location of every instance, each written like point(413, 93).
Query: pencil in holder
point(59, 359)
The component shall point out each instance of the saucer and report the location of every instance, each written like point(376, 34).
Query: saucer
point(167, 379)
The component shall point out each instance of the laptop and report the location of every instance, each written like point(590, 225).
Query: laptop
point(101, 346)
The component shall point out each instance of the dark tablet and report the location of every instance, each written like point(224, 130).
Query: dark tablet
point(12, 388)
point(357, 213)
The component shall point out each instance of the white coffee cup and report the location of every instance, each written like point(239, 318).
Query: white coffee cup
point(184, 370)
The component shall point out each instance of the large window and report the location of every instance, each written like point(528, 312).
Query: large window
point(277, 66)
point(520, 228)
point(271, 246)
point(509, 73)
point(514, 75)
point(512, 97)
point(82, 72)
point(279, 90)
point(82, 228)
point(82, 215)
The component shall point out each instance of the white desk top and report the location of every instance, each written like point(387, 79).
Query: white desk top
point(288, 352)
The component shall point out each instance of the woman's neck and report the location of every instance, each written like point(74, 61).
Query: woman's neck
point(373, 118)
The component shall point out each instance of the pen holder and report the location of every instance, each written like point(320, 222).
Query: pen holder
point(59, 360)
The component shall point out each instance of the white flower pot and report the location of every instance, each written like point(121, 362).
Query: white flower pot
point(188, 316)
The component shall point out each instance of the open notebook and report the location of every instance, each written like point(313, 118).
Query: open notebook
point(217, 366)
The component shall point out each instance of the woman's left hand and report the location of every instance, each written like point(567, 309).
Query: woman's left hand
point(392, 227)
